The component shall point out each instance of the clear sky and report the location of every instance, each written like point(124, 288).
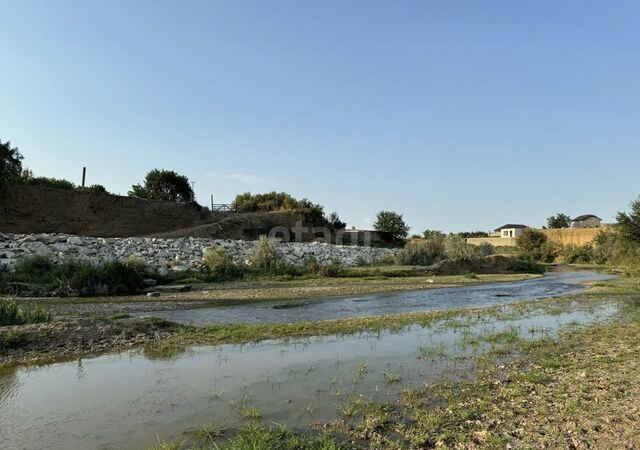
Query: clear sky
point(459, 114)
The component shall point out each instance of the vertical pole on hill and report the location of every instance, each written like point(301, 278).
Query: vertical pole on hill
point(84, 175)
point(211, 202)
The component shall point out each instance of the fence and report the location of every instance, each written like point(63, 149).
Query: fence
point(224, 207)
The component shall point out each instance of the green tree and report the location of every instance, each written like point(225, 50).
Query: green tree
point(559, 221)
point(391, 226)
point(164, 185)
point(535, 245)
point(335, 222)
point(629, 223)
point(10, 163)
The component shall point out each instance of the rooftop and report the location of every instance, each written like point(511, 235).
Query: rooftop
point(511, 225)
point(585, 217)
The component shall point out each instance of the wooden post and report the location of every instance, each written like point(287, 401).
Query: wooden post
point(84, 175)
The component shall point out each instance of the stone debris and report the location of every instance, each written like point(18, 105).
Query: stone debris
point(165, 255)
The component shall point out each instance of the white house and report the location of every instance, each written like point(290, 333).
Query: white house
point(510, 230)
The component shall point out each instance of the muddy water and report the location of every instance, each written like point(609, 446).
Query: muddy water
point(126, 401)
point(550, 285)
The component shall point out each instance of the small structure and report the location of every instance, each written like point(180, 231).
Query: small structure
point(510, 230)
point(586, 221)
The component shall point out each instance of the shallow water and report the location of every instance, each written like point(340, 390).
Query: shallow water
point(550, 285)
point(127, 400)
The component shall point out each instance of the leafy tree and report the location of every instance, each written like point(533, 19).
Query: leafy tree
point(335, 222)
point(535, 245)
point(10, 163)
point(164, 185)
point(559, 221)
point(391, 226)
point(629, 223)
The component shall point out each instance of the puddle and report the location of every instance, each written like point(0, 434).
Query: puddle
point(125, 401)
point(550, 285)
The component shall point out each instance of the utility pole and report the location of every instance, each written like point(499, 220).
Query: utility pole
point(84, 175)
point(211, 202)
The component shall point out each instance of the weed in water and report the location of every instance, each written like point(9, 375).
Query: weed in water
point(208, 433)
point(392, 378)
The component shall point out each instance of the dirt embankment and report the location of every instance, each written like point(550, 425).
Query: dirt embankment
point(38, 209)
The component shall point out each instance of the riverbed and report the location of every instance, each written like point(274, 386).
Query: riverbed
point(129, 400)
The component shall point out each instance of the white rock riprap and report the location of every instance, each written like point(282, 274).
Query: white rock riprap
point(165, 255)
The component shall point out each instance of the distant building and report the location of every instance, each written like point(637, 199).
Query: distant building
point(586, 221)
point(510, 230)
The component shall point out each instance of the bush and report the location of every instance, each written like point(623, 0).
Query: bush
point(12, 314)
point(42, 277)
point(578, 254)
point(94, 188)
point(313, 267)
point(457, 249)
point(527, 266)
point(267, 261)
point(421, 252)
point(276, 201)
point(50, 182)
point(221, 264)
point(485, 249)
point(533, 244)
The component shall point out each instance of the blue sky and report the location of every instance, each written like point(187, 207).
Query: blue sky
point(459, 114)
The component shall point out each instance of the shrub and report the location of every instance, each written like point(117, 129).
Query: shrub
point(12, 314)
point(277, 201)
point(457, 249)
point(485, 249)
point(578, 254)
point(313, 267)
point(57, 183)
point(94, 188)
point(421, 252)
point(527, 266)
point(266, 260)
point(41, 276)
point(109, 278)
point(533, 244)
point(221, 264)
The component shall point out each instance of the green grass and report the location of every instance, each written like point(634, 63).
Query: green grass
point(279, 438)
point(13, 314)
